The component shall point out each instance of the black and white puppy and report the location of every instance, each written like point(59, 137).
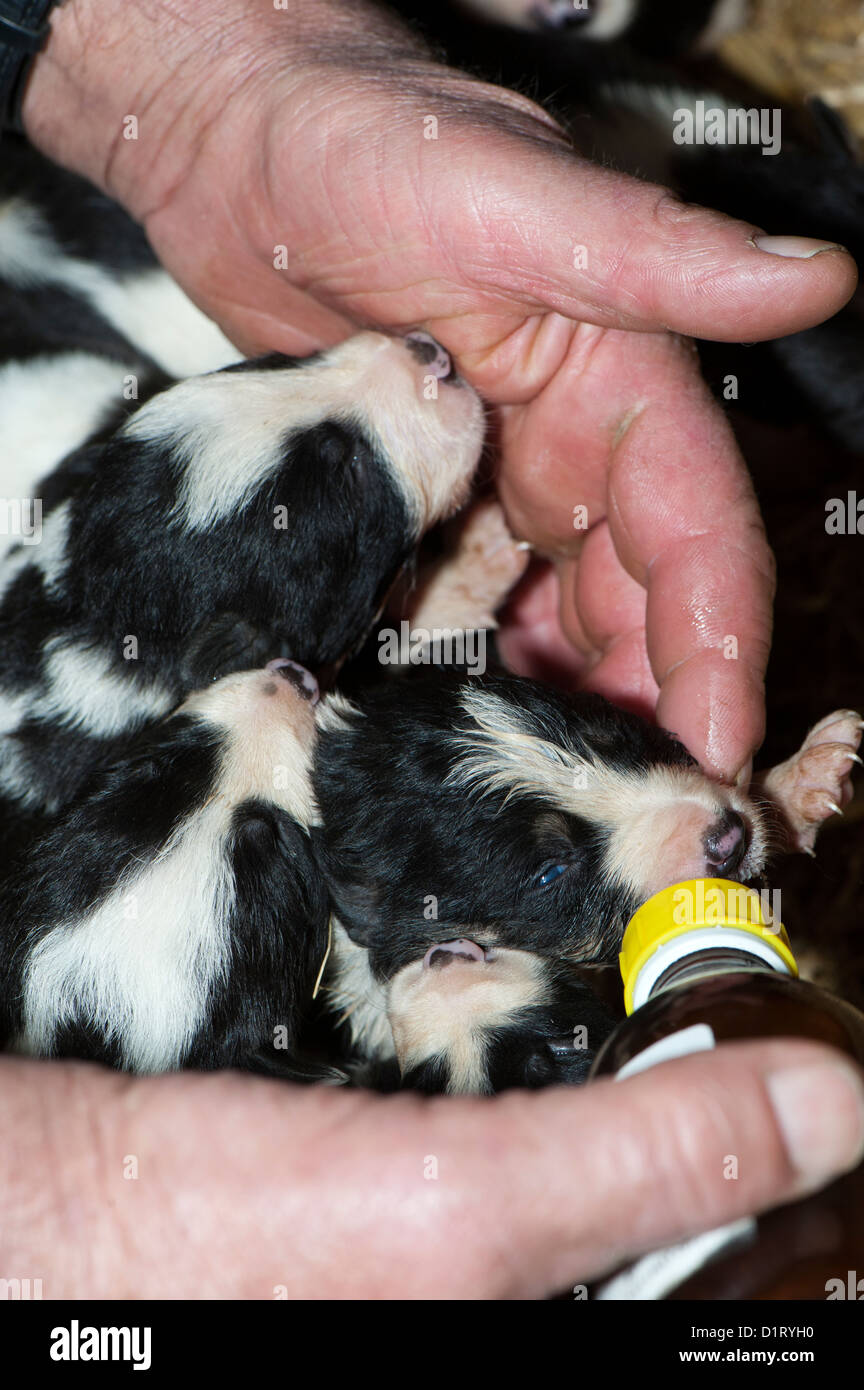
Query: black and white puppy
point(483, 1019)
point(173, 915)
point(257, 510)
point(482, 837)
point(478, 839)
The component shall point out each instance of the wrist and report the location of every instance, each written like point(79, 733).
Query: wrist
point(71, 96)
point(120, 92)
point(123, 94)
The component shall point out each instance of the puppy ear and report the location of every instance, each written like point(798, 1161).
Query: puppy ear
point(356, 904)
point(280, 918)
point(296, 848)
point(272, 855)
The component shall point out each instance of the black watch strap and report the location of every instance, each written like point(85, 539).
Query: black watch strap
point(24, 28)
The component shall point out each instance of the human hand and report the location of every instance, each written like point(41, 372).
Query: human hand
point(306, 129)
point(229, 1186)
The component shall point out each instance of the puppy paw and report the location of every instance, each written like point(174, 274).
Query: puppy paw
point(816, 782)
point(470, 582)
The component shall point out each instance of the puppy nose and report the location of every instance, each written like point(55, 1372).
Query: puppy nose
point(444, 953)
point(430, 354)
point(303, 681)
point(726, 843)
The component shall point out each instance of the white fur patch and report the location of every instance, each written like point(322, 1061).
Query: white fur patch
point(656, 818)
point(48, 407)
point(727, 17)
point(355, 995)
point(270, 732)
point(611, 19)
point(151, 310)
point(141, 968)
point(229, 432)
point(15, 779)
point(48, 554)
point(658, 102)
point(448, 1012)
point(84, 690)
point(81, 690)
point(146, 307)
point(331, 712)
point(13, 708)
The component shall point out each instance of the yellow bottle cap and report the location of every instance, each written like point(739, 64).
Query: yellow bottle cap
point(701, 905)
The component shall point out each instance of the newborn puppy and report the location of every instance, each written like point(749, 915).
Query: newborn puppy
point(176, 531)
point(530, 825)
point(173, 915)
point(258, 510)
point(473, 1019)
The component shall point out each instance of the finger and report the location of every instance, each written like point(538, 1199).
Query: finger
point(633, 438)
point(686, 525)
point(713, 705)
point(582, 1183)
point(600, 600)
point(603, 609)
point(556, 449)
point(592, 244)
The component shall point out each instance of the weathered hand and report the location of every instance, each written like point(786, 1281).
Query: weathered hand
point(560, 287)
point(227, 1186)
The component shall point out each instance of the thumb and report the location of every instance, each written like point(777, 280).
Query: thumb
point(624, 1167)
point(567, 235)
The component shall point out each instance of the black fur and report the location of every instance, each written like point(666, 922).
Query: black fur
point(417, 852)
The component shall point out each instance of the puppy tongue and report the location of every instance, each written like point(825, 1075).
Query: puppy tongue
point(445, 952)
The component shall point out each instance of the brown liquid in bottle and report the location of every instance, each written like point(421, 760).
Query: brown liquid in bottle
point(809, 1249)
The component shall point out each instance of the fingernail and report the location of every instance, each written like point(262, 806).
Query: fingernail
point(820, 1111)
point(799, 248)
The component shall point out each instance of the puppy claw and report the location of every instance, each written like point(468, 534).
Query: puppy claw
point(815, 783)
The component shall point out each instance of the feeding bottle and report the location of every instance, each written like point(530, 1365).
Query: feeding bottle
point(704, 963)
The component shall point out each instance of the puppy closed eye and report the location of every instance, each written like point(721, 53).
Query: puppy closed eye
point(553, 1060)
point(561, 1049)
